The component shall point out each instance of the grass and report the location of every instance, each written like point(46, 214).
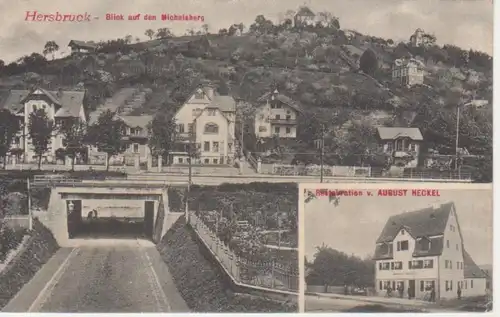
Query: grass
point(201, 283)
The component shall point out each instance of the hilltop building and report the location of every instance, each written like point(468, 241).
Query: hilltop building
point(276, 115)
point(82, 46)
point(59, 105)
point(304, 16)
point(206, 119)
point(422, 249)
point(408, 72)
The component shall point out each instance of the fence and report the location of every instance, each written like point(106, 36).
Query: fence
point(315, 170)
point(269, 274)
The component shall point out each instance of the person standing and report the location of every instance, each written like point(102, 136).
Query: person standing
point(433, 294)
point(459, 293)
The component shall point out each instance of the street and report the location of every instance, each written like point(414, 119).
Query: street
point(106, 276)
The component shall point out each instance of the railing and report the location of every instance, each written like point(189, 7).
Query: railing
point(267, 275)
point(251, 160)
point(282, 121)
point(315, 170)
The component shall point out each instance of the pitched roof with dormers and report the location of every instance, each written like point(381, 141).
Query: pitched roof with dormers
point(70, 101)
point(280, 97)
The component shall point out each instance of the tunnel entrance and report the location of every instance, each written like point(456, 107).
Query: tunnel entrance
point(97, 223)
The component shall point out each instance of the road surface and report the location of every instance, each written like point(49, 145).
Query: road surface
point(324, 304)
point(107, 277)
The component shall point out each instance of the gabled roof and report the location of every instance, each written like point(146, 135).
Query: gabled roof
point(213, 108)
point(305, 11)
point(71, 101)
point(392, 133)
point(426, 222)
point(282, 98)
point(82, 44)
point(471, 270)
point(224, 103)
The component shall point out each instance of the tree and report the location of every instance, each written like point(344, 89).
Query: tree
point(9, 126)
point(106, 135)
point(149, 33)
point(50, 48)
point(74, 135)
point(163, 33)
point(128, 39)
point(205, 28)
point(40, 129)
point(162, 134)
point(368, 62)
point(223, 32)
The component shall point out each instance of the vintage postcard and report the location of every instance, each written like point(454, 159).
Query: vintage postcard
point(393, 247)
point(150, 151)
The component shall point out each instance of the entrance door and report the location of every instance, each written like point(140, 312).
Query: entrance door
point(149, 218)
point(411, 289)
point(74, 210)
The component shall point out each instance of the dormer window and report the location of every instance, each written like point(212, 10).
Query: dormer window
point(402, 245)
point(425, 244)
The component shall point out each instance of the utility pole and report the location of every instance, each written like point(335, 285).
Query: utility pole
point(457, 136)
point(241, 137)
point(30, 215)
point(320, 144)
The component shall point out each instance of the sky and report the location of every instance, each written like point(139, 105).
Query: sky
point(356, 223)
point(467, 23)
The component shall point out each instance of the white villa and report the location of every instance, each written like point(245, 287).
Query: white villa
point(425, 248)
point(59, 105)
point(206, 119)
point(276, 116)
point(402, 144)
point(408, 72)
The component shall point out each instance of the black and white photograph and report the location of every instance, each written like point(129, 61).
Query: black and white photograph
point(398, 248)
point(151, 151)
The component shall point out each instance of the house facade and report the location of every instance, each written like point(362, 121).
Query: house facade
point(82, 46)
point(424, 249)
point(276, 116)
point(206, 119)
point(401, 144)
point(59, 105)
point(135, 138)
point(408, 72)
point(304, 17)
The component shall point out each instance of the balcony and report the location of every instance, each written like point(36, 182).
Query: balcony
point(184, 137)
point(403, 153)
point(283, 121)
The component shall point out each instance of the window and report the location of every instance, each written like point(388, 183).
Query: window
point(465, 284)
point(277, 130)
point(445, 264)
point(288, 117)
point(412, 147)
point(380, 266)
point(446, 286)
point(402, 232)
point(190, 127)
point(392, 265)
point(215, 161)
point(17, 140)
point(35, 108)
point(428, 264)
point(215, 146)
point(399, 144)
point(211, 112)
point(207, 161)
point(136, 148)
point(180, 160)
point(385, 266)
point(398, 265)
point(417, 264)
point(425, 244)
point(199, 95)
point(229, 147)
point(410, 265)
point(471, 283)
point(380, 285)
point(402, 245)
point(451, 285)
point(211, 128)
point(288, 130)
point(180, 127)
point(262, 128)
point(458, 265)
point(448, 244)
point(422, 286)
point(278, 117)
point(389, 147)
point(393, 285)
point(206, 146)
